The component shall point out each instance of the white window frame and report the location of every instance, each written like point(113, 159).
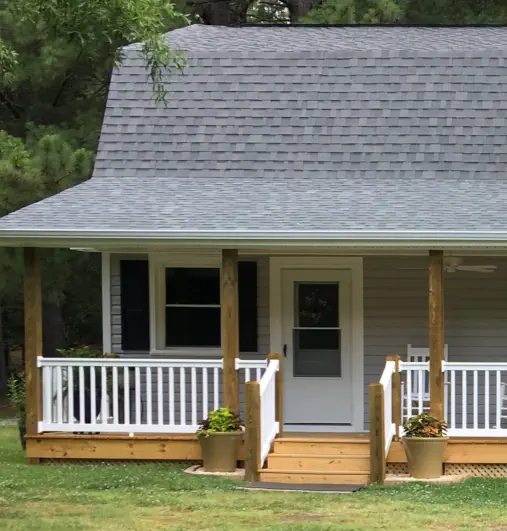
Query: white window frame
point(158, 262)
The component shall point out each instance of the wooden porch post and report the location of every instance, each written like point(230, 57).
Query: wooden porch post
point(436, 332)
point(230, 327)
point(33, 339)
point(252, 431)
point(377, 434)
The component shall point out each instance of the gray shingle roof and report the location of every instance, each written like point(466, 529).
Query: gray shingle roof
point(285, 128)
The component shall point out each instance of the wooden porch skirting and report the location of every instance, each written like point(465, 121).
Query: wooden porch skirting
point(486, 457)
point(115, 447)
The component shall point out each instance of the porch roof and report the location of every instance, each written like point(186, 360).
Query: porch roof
point(340, 133)
point(423, 210)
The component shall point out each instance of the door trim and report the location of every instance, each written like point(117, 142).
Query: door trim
point(355, 265)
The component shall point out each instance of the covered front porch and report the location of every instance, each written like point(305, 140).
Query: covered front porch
point(315, 384)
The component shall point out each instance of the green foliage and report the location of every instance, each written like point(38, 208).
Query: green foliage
point(221, 420)
point(84, 351)
point(17, 395)
point(355, 12)
point(425, 426)
point(56, 56)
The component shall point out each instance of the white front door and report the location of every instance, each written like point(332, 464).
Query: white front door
point(317, 345)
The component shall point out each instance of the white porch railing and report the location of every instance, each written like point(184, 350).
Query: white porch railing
point(133, 396)
point(475, 400)
point(387, 382)
point(269, 426)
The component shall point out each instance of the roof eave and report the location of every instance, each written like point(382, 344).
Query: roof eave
point(241, 238)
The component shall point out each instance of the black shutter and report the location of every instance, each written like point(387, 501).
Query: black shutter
point(135, 305)
point(247, 293)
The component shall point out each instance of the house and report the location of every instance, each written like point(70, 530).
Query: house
point(335, 177)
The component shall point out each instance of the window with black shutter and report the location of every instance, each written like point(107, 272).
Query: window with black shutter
point(192, 307)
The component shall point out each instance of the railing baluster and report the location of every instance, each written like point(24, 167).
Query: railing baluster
point(247, 375)
point(476, 400)
point(82, 418)
point(126, 396)
point(420, 388)
point(93, 396)
point(149, 398)
point(70, 394)
point(464, 392)
point(137, 376)
point(498, 400)
point(47, 389)
point(453, 400)
point(115, 396)
point(486, 400)
point(194, 396)
point(59, 395)
point(183, 403)
point(172, 420)
point(409, 393)
point(215, 388)
point(258, 374)
point(104, 413)
point(160, 395)
point(204, 392)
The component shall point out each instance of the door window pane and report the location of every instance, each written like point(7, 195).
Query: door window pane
point(316, 304)
point(317, 353)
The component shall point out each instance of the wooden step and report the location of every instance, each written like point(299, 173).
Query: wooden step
point(360, 463)
point(314, 476)
point(317, 446)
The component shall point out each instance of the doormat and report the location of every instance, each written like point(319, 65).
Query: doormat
point(304, 487)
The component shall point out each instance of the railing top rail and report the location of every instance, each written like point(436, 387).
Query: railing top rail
point(125, 362)
point(273, 367)
point(389, 370)
point(251, 364)
point(463, 366)
point(405, 365)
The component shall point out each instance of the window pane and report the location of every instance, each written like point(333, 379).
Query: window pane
point(185, 285)
point(317, 304)
point(317, 353)
point(192, 327)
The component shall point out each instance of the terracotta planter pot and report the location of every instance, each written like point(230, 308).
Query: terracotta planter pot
point(425, 456)
point(220, 451)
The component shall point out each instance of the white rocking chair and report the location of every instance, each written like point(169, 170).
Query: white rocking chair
point(420, 355)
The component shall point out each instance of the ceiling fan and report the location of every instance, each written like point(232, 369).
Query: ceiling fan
point(454, 263)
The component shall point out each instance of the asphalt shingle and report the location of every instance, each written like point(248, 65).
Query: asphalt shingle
point(286, 128)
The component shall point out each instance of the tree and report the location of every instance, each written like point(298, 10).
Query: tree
point(56, 56)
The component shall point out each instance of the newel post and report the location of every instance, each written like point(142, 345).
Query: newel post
point(33, 339)
point(436, 332)
point(230, 327)
point(396, 394)
point(278, 390)
point(252, 431)
point(377, 434)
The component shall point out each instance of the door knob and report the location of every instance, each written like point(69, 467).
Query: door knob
point(285, 351)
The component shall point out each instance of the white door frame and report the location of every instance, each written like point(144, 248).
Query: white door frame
point(355, 265)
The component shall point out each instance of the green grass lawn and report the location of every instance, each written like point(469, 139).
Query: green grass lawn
point(153, 497)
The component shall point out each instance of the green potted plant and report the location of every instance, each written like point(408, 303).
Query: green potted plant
point(220, 437)
point(17, 397)
point(424, 441)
